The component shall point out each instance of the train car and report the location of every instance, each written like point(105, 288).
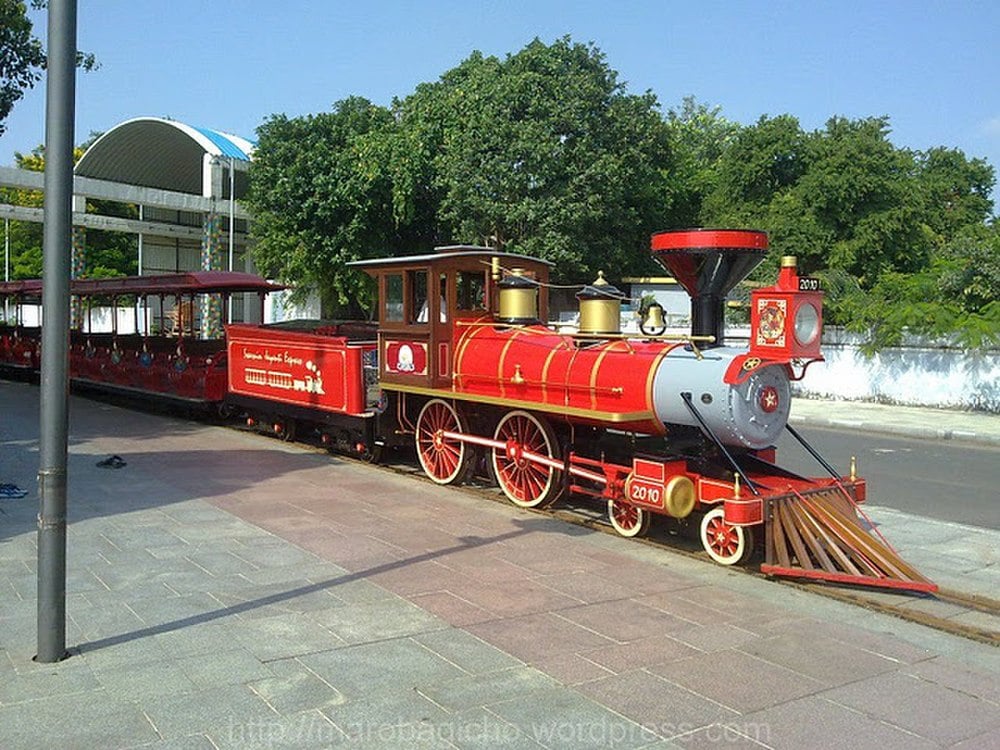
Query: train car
point(20, 340)
point(163, 352)
point(463, 367)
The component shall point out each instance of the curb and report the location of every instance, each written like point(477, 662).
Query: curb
point(901, 430)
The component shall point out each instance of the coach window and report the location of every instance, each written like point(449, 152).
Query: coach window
point(471, 290)
point(394, 296)
point(418, 297)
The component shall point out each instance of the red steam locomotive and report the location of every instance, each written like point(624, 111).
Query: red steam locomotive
point(462, 366)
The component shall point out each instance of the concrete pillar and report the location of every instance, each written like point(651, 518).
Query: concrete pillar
point(212, 256)
point(212, 251)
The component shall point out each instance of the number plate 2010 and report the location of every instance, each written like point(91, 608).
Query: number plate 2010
point(644, 492)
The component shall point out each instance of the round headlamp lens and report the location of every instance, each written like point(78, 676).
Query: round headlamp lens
point(806, 324)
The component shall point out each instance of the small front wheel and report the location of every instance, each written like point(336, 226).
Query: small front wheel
point(627, 519)
point(725, 543)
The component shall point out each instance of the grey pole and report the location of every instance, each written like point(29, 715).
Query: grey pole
point(60, 97)
point(6, 265)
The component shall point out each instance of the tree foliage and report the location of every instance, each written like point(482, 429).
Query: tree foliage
point(900, 237)
point(22, 58)
point(321, 196)
point(543, 153)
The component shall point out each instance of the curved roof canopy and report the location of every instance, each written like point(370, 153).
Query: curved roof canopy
point(160, 153)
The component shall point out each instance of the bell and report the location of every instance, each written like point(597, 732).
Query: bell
point(653, 324)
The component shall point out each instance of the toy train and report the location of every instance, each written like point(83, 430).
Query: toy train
point(462, 366)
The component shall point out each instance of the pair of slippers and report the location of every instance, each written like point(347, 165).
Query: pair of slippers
point(112, 462)
point(11, 491)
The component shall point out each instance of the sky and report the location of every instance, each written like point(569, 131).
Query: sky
point(931, 66)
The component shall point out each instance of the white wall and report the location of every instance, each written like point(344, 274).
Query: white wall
point(919, 373)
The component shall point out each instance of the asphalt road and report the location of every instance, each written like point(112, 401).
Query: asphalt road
point(938, 479)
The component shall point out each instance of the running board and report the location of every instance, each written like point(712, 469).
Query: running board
point(819, 535)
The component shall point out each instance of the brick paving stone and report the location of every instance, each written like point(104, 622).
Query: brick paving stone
point(987, 740)
point(510, 598)
point(695, 614)
point(565, 719)
point(584, 587)
point(728, 735)
point(419, 578)
point(714, 637)
point(918, 706)
point(886, 644)
point(466, 651)
point(484, 568)
point(571, 669)
point(452, 609)
point(815, 721)
point(212, 711)
point(487, 688)
point(47, 722)
point(724, 677)
point(640, 653)
point(961, 678)
point(829, 662)
point(538, 636)
point(376, 621)
point(656, 704)
point(403, 664)
point(610, 620)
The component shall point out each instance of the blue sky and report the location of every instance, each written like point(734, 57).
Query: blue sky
point(932, 67)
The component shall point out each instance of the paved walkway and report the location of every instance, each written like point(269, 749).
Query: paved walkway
point(229, 591)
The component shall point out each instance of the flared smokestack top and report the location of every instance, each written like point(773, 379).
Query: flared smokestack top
point(708, 263)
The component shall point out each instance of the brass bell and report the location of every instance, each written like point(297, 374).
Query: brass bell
point(653, 324)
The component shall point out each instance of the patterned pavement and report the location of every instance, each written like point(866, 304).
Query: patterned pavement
point(229, 591)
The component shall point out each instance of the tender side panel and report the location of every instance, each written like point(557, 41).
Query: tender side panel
point(305, 369)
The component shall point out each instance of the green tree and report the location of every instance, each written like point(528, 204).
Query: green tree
point(22, 58)
point(699, 136)
point(544, 153)
point(322, 196)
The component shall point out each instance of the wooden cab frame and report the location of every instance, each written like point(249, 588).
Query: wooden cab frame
point(426, 302)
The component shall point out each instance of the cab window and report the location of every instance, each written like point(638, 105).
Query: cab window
point(418, 297)
point(394, 296)
point(471, 290)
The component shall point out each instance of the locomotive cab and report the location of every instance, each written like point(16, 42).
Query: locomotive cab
point(427, 301)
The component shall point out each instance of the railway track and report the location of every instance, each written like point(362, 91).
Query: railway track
point(971, 616)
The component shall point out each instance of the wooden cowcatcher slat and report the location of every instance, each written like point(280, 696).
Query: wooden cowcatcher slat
point(818, 534)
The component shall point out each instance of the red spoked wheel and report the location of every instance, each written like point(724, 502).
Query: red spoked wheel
point(725, 543)
point(445, 460)
point(526, 482)
point(627, 519)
